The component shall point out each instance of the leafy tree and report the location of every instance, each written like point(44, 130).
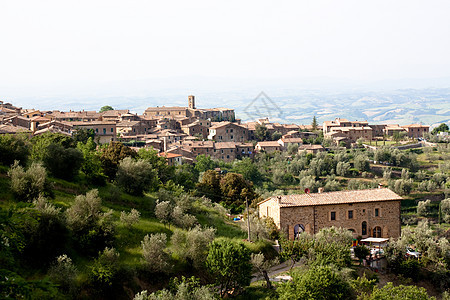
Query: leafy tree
point(229, 264)
point(165, 172)
point(248, 169)
point(262, 265)
point(342, 168)
point(91, 228)
point(318, 282)
point(401, 292)
point(91, 166)
point(424, 208)
point(12, 148)
point(361, 163)
point(445, 210)
point(41, 142)
point(362, 286)
point(204, 163)
point(105, 268)
point(182, 219)
point(63, 162)
point(163, 212)
point(193, 245)
point(261, 133)
point(276, 136)
point(209, 185)
point(135, 177)
point(236, 189)
point(154, 256)
point(106, 108)
point(361, 252)
point(27, 185)
point(82, 135)
point(111, 155)
point(294, 250)
point(441, 128)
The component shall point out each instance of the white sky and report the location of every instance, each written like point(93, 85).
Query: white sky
point(61, 41)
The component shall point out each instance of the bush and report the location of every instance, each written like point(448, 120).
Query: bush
point(27, 185)
point(193, 245)
point(424, 208)
point(445, 210)
point(64, 273)
point(154, 256)
point(92, 229)
point(105, 268)
point(62, 162)
point(131, 218)
point(401, 292)
point(319, 282)
point(135, 177)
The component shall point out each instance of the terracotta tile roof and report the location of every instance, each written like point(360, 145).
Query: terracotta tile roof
point(415, 126)
point(310, 147)
point(292, 140)
point(169, 155)
point(269, 144)
point(340, 197)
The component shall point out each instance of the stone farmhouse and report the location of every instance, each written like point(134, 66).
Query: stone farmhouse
point(367, 213)
point(228, 132)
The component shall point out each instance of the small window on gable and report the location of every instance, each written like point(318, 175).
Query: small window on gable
point(350, 214)
point(333, 216)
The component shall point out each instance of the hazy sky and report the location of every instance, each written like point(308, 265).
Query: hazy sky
point(63, 42)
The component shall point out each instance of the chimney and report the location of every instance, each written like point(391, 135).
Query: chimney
point(320, 190)
point(279, 199)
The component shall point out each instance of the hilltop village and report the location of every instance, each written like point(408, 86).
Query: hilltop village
point(183, 133)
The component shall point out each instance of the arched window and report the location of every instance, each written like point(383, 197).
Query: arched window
point(364, 228)
point(298, 229)
point(377, 232)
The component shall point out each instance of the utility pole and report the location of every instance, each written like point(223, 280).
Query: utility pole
point(248, 219)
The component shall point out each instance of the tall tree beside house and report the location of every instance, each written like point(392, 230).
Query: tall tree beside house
point(261, 133)
point(111, 155)
point(236, 190)
point(106, 108)
point(314, 123)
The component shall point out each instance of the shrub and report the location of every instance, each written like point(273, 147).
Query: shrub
point(27, 185)
point(445, 210)
point(92, 229)
point(64, 273)
point(424, 208)
point(154, 256)
point(319, 282)
point(401, 292)
point(131, 218)
point(193, 245)
point(105, 268)
point(135, 177)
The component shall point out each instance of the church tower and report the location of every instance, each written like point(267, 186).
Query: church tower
point(191, 102)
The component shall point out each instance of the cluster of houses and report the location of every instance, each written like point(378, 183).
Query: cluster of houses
point(343, 130)
point(182, 133)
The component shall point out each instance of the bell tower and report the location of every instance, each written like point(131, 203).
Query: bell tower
point(191, 102)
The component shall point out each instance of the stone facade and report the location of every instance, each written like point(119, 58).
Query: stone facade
point(374, 215)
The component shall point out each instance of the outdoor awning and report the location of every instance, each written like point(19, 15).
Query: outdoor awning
point(375, 240)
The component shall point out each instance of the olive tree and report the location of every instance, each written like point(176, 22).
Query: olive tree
point(135, 177)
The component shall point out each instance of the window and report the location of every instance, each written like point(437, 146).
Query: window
point(377, 212)
point(333, 215)
point(350, 214)
point(364, 228)
point(231, 137)
point(377, 232)
point(112, 129)
point(104, 130)
point(231, 130)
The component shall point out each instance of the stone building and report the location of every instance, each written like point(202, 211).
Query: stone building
point(367, 213)
point(416, 130)
point(227, 132)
